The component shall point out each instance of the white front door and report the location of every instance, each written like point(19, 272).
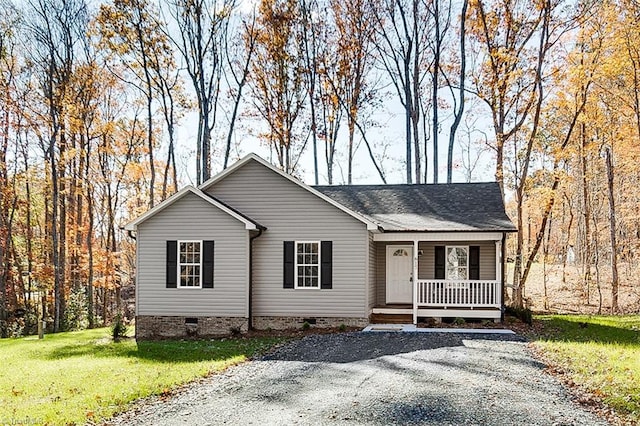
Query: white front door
point(399, 271)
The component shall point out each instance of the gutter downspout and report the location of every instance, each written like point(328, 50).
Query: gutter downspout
point(250, 320)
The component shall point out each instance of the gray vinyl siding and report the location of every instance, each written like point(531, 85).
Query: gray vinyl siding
point(426, 262)
point(192, 218)
point(292, 213)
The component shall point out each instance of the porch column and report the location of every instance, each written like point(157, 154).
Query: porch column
point(499, 261)
point(498, 286)
point(415, 281)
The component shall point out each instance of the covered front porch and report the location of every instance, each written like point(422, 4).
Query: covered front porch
point(438, 275)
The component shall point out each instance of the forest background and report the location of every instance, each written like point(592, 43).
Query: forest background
point(108, 108)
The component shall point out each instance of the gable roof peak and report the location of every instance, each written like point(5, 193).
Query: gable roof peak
point(189, 189)
point(255, 157)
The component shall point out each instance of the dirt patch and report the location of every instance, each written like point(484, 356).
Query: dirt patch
point(553, 288)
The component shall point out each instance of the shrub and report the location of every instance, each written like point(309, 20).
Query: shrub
point(76, 312)
point(306, 325)
point(235, 331)
point(118, 328)
point(15, 327)
point(523, 314)
point(342, 327)
point(459, 321)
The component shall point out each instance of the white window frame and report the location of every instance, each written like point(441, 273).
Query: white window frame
point(446, 262)
point(180, 264)
point(295, 265)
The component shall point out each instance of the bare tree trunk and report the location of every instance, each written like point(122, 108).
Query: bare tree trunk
point(409, 101)
point(460, 109)
point(586, 203)
point(434, 88)
point(89, 240)
point(351, 128)
point(517, 267)
point(597, 262)
point(545, 255)
point(371, 156)
point(612, 233)
point(250, 43)
point(310, 57)
point(567, 240)
point(57, 280)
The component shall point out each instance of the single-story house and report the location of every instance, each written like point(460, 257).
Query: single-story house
point(253, 247)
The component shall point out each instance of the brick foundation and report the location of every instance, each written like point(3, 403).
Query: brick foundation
point(158, 327)
point(283, 323)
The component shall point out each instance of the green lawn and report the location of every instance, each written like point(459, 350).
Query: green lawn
point(79, 376)
point(601, 353)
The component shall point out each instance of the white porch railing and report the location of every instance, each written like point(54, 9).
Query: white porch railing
point(467, 294)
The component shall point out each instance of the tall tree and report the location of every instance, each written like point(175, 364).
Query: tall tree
point(133, 32)
point(311, 30)
point(278, 78)
point(459, 101)
point(501, 33)
point(8, 20)
point(57, 30)
point(204, 27)
point(240, 47)
point(330, 87)
point(355, 22)
point(404, 29)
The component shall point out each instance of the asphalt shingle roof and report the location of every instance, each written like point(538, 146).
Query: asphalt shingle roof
point(430, 207)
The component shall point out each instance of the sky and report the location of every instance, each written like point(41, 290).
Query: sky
point(389, 137)
point(390, 133)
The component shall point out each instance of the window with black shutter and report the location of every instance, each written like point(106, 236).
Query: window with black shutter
point(190, 264)
point(289, 264)
point(474, 263)
point(308, 264)
point(326, 265)
point(207, 263)
point(172, 264)
point(439, 263)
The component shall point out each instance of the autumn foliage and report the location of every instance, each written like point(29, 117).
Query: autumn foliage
point(97, 105)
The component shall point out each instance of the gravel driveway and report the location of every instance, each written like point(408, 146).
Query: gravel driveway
point(377, 379)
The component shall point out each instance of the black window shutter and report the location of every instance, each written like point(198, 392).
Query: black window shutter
point(439, 263)
point(474, 262)
point(326, 264)
point(172, 264)
point(289, 254)
point(207, 264)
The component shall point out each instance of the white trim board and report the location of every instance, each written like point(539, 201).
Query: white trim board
point(438, 236)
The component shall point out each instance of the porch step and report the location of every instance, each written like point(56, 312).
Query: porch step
point(391, 318)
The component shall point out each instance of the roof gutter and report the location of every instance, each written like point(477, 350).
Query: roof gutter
point(250, 319)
